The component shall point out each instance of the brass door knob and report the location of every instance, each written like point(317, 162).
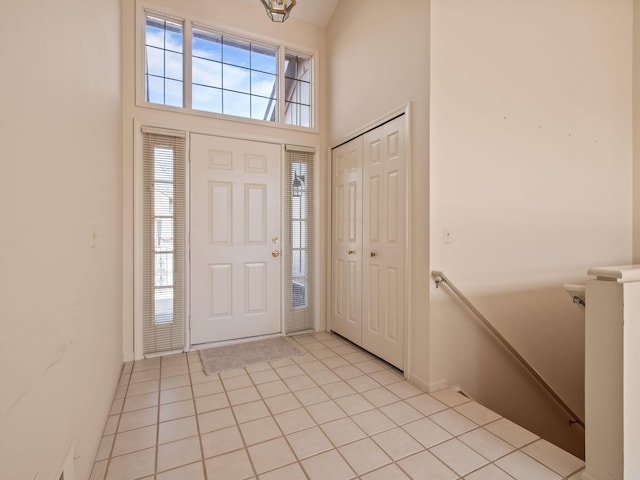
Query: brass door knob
point(351, 252)
point(275, 253)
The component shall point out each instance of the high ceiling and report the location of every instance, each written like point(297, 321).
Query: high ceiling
point(317, 12)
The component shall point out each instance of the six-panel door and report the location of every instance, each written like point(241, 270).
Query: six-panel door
point(235, 231)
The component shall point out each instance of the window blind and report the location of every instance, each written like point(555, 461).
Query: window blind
point(299, 256)
point(164, 241)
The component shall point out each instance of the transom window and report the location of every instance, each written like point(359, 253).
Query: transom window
point(234, 77)
point(163, 62)
point(226, 74)
point(297, 75)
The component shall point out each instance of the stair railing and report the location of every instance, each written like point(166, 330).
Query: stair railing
point(440, 278)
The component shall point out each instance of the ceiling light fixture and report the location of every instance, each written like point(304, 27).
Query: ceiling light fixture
point(278, 10)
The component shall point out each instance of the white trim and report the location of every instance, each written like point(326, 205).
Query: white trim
point(187, 242)
point(321, 303)
point(434, 386)
point(328, 284)
point(282, 246)
point(373, 124)
point(138, 242)
point(163, 131)
point(163, 354)
point(299, 148)
point(408, 152)
point(187, 64)
point(281, 89)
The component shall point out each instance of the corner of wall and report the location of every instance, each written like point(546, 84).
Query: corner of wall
point(636, 131)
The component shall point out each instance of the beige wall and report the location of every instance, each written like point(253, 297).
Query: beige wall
point(244, 19)
point(531, 158)
point(531, 173)
point(636, 131)
point(379, 59)
point(61, 342)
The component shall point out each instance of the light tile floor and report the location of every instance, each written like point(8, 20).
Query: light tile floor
point(335, 412)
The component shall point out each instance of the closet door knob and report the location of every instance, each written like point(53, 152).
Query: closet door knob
point(372, 254)
point(351, 252)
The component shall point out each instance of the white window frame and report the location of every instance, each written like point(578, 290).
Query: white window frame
point(145, 8)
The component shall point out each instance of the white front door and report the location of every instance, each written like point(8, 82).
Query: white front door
point(235, 238)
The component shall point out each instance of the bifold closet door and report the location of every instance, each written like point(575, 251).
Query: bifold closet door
point(347, 240)
point(384, 242)
point(369, 209)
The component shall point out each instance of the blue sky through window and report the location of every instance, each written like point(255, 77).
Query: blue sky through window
point(163, 62)
point(233, 76)
point(229, 75)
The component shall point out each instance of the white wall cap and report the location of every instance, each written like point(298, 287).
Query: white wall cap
point(620, 274)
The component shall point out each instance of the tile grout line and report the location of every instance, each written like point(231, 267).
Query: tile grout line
point(235, 418)
point(401, 398)
point(155, 467)
point(319, 425)
point(195, 412)
point(378, 408)
point(106, 470)
point(273, 417)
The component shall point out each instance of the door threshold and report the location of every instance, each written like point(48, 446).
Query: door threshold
point(234, 341)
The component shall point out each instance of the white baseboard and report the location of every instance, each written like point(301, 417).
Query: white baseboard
point(435, 386)
point(419, 382)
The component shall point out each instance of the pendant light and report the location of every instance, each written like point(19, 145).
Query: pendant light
point(278, 10)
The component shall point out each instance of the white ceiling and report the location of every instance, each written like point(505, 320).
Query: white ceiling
point(317, 12)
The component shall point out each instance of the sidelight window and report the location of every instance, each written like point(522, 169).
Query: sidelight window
point(163, 242)
point(299, 200)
